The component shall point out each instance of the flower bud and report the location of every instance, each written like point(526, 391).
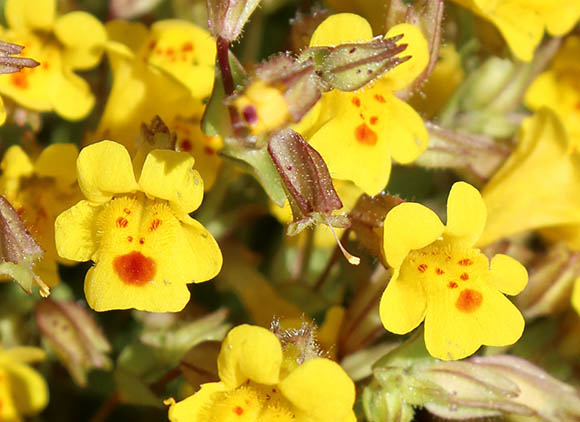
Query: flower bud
point(226, 18)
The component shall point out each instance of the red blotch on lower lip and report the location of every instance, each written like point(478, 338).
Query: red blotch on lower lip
point(134, 268)
point(185, 145)
point(365, 135)
point(469, 300)
point(238, 410)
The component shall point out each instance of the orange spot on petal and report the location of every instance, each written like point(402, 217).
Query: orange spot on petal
point(19, 80)
point(141, 241)
point(155, 224)
point(130, 238)
point(439, 271)
point(469, 300)
point(465, 262)
point(356, 101)
point(134, 268)
point(238, 410)
point(374, 120)
point(208, 150)
point(464, 276)
point(365, 135)
point(122, 222)
point(452, 285)
point(380, 98)
point(185, 145)
point(187, 47)
point(422, 268)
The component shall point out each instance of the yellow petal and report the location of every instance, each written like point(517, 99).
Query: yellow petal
point(405, 73)
point(403, 305)
point(104, 169)
point(249, 352)
point(205, 258)
point(16, 163)
point(458, 321)
point(170, 175)
point(321, 390)
point(84, 38)
point(194, 408)
point(74, 232)
point(409, 226)
point(576, 295)
point(30, 14)
point(466, 213)
point(72, 97)
point(2, 112)
point(131, 34)
point(341, 28)
point(29, 389)
point(507, 275)
point(8, 411)
point(544, 91)
point(59, 162)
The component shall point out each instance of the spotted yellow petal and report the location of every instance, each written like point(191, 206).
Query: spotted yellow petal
point(459, 320)
point(321, 390)
point(105, 169)
point(249, 352)
point(170, 175)
point(341, 28)
point(403, 304)
point(409, 226)
point(507, 275)
point(194, 408)
point(405, 73)
point(59, 162)
point(466, 213)
point(75, 234)
point(84, 37)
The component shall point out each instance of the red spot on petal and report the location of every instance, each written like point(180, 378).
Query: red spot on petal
point(170, 51)
point(374, 120)
point(469, 300)
point(130, 238)
point(185, 145)
point(122, 222)
point(187, 47)
point(19, 79)
point(141, 241)
point(465, 262)
point(127, 211)
point(155, 224)
point(46, 65)
point(356, 101)
point(452, 285)
point(464, 276)
point(380, 98)
point(208, 150)
point(422, 268)
point(439, 271)
point(365, 135)
point(238, 410)
point(134, 268)
point(159, 51)
point(152, 45)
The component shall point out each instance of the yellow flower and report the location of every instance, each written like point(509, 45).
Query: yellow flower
point(23, 391)
point(262, 382)
point(40, 191)
point(558, 88)
point(537, 186)
point(439, 276)
point(62, 44)
point(576, 295)
point(145, 245)
point(370, 125)
point(522, 22)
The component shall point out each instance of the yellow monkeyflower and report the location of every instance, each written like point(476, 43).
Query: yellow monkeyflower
point(145, 245)
point(62, 44)
point(23, 391)
point(522, 22)
point(558, 88)
point(262, 382)
point(576, 295)
point(537, 186)
point(370, 125)
point(440, 277)
point(40, 190)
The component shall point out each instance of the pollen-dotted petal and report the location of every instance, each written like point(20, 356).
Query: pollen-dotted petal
point(507, 275)
point(195, 407)
point(405, 73)
point(105, 169)
point(321, 390)
point(84, 36)
point(409, 226)
point(250, 352)
point(75, 234)
point(403, 304)
point(341, 28)
point(466, 213)
point(170, 175)
point(463, 319)
point(59, 162)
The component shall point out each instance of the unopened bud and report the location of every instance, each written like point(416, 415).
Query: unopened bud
point(349, 67)
point(226, 18)
point(19, 251)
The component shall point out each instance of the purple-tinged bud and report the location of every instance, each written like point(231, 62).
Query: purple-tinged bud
point(74, 336)
point(226, 18)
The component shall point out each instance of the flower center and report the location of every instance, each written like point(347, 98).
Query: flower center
point(251, 402)
point(444, 265)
